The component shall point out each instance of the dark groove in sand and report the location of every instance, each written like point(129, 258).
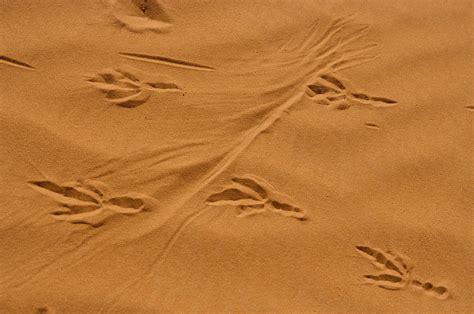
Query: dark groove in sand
point(15, 63)
point(166, 61)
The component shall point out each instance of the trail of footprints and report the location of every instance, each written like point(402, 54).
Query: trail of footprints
point(329, 91)
point(89, 202)
point(395, 272)
point(92, 202)
point(130, 88)
point(252, 195)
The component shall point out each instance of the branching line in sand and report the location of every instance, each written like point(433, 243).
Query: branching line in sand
point(349, 60)
point(249, 138)
point(162, 256)
point(39, 270)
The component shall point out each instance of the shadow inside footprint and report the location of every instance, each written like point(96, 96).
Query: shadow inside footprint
point(141, 15)
point(253, 195)
point(89, 202)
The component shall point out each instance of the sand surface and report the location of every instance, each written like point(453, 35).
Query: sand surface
point(200, 156)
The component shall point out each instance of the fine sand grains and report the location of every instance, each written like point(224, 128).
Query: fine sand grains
point(234, 156)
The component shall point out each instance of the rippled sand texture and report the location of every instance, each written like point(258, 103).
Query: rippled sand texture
point(235, 156)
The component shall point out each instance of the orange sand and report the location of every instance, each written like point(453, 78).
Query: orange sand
point(236, 156)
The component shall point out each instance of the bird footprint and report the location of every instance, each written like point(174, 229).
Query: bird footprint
point(395, 272)
point(130, 88)
point(330, 91)
point(89, 201)
point(252, 195)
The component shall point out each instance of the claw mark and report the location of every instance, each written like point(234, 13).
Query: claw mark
point(318, 89)
point(372, 126)
point(360, 96)
point(386, 277)
point(166, 61)
point(333, 80)
point(470, 108)
point(252, 195)
point(253, 185)
point(89, 202)
point(383, 99)
point(395, 272)
point(15, 63)
point(124, 88)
